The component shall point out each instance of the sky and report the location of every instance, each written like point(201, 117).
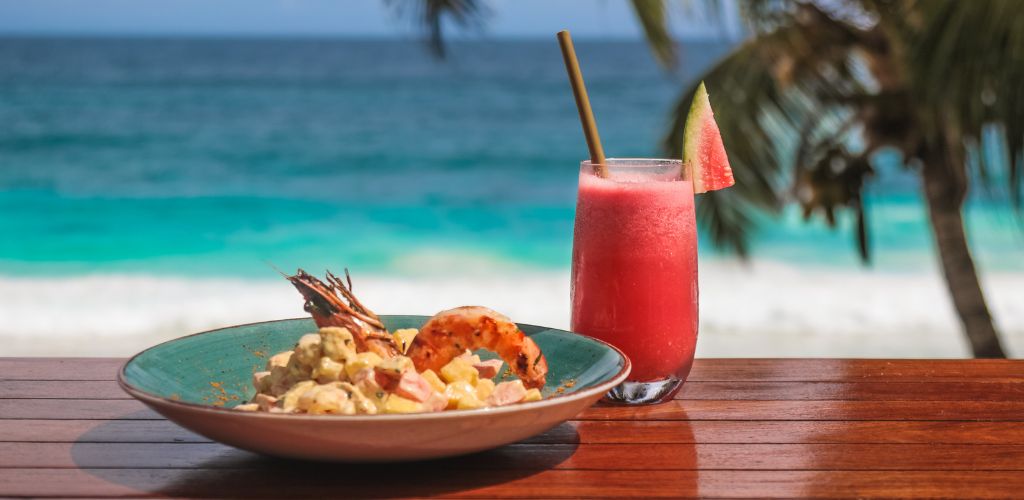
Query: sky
point(350, 18)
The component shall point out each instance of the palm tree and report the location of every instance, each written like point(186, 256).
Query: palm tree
point(820, 87)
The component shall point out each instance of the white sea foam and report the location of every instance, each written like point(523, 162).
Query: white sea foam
point(764, 309)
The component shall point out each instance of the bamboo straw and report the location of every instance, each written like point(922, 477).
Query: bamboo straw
point(579, 91)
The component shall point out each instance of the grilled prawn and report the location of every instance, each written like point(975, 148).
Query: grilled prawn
point(449, 333)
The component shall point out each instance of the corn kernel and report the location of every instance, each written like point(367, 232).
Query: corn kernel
point(460, 369)
point(404, 337)
point(457, 390)
point(398, 404)
point(469, 402)
point(484, 388)
point(433, 380)
point(360, 361)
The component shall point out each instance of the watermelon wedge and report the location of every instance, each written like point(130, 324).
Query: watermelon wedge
point(703, 152)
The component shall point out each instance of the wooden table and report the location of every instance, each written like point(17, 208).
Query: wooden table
point(739, 428)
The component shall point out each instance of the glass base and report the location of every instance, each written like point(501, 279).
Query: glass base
point(644, 393)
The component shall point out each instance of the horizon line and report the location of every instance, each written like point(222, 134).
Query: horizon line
point(456, 38)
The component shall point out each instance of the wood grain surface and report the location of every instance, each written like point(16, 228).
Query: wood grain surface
point(820, 428)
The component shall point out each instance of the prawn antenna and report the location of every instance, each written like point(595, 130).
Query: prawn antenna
point(272, 266)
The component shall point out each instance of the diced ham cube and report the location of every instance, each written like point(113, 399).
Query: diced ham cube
point(265, 402)
point(280, 359)
point(507, 393)
point(366, 381)
point(436, 402)
point(413, 386)
point(257, 379)
point(489, 368)
point(361, 375)
point(385, 380)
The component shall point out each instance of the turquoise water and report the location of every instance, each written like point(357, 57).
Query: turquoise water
point(213, 157)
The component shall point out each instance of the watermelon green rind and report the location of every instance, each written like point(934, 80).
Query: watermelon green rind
point(704, 154)
point(699, 106)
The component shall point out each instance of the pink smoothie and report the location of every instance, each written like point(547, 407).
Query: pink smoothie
point(634, 270)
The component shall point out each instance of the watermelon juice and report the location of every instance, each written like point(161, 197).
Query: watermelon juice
point(634, 271)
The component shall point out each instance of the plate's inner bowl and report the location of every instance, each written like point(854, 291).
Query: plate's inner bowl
point(215, 368)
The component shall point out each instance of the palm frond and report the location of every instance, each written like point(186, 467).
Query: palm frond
point(966, 72)
point(783, 105)
point(653, 17)
point(728, 219)
point(430, 16)
point(739, 85)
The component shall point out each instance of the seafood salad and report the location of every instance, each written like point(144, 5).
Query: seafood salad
point(353, 365)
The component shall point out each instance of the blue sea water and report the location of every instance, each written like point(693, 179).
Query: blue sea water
point(213, 157)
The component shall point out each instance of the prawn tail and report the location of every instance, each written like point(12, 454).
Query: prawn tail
point(530, 365)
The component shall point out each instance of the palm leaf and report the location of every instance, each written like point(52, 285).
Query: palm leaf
point(738, 95)
point(653, 17)
point(782, 101)
point(965, 65)
point(431, 14)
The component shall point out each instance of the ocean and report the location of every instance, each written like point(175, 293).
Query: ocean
point(148, 188)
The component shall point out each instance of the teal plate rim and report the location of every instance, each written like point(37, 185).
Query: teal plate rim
point(150, 398)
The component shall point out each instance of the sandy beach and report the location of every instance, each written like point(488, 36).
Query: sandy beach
point(744, 311)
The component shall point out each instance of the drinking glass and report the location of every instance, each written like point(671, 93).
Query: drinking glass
point(634, 271)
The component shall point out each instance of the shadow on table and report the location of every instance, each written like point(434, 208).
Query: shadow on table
point(206, 469)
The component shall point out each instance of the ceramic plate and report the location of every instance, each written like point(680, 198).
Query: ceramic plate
point(195, 380)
